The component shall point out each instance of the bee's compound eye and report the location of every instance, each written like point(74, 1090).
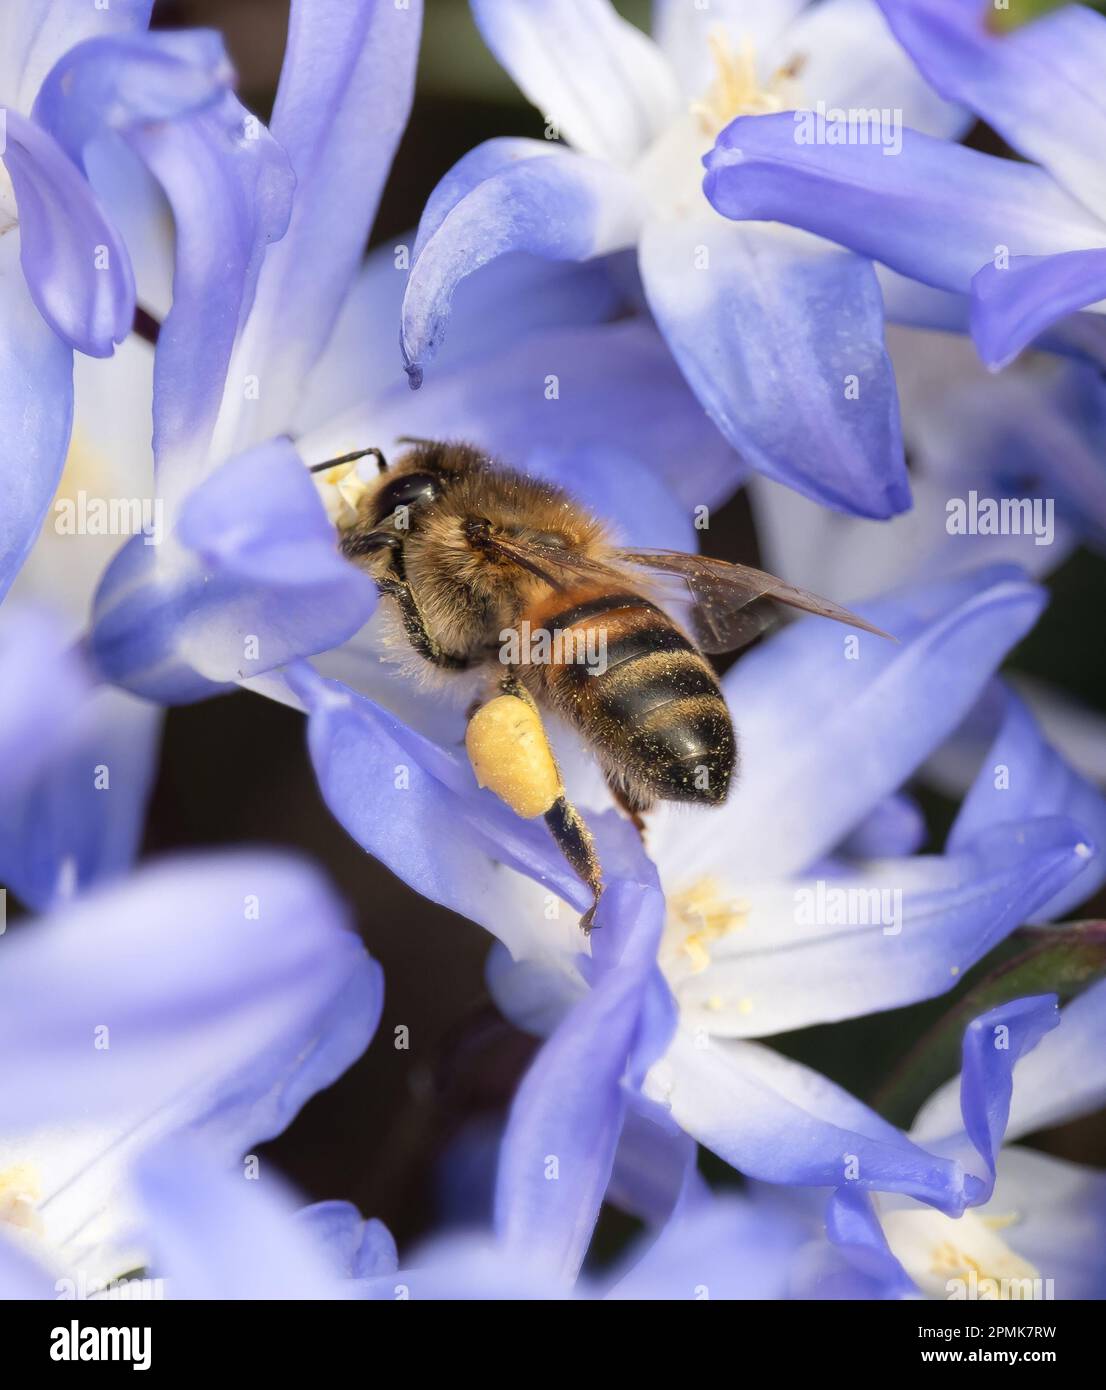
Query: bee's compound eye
point(410, 490)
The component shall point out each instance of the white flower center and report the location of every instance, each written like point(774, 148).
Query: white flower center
point(736, 89)
point(698, 916)
point(963, 1257)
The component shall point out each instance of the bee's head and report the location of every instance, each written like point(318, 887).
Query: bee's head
point(384, 507)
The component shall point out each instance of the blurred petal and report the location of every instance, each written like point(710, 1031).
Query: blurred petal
point(896, 826)
point(82, 819)
point(1039, 85)
point(883, 935)
point(1061, 1210)
point(559, 1147)
point(43, 687)
point(726, 1249)
point(1063, 1078)
point(1013, 305)
point(781, 338)
point(552, 203)
point(215, 1235)
point(590, 73)
point(21, 1276)
point(251, 579)
point(861, 715)
point(34, 37)
point(1023, 776)
point(344, 96)
point(935, 211)
point(242, 994)
point(776, 1120)
point(852, 62)
point(229, 185)
point(542, 402)
point(358, 1249)
point(36, 412)
point(76, 267)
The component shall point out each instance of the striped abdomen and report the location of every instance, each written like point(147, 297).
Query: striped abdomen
point(631, 682)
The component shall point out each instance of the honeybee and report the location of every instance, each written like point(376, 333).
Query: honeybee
point(479, 558)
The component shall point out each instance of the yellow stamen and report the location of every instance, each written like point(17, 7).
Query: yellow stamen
point(19, 1196)
point(698, 917)
point(736, 89)
point(341, 488)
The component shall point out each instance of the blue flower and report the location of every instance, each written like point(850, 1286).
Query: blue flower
point(205, 996)
point(1033, 1229)
point(769, 327)
point(82, 89)
point(1027, 240)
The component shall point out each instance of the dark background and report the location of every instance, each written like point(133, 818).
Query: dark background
point(235, 769)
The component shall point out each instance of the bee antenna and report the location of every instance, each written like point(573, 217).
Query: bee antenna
point(381, 461)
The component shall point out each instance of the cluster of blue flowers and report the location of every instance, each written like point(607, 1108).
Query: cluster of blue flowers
point(823, 304)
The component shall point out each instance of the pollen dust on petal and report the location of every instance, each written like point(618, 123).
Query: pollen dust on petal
point(20, 1194)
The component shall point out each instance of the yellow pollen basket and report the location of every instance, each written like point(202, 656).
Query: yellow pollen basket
point(341, 489)
point(736, 89)
point(19, 1196)
point(701, 915)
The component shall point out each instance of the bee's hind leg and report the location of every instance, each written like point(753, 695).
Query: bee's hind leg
point(510, 754)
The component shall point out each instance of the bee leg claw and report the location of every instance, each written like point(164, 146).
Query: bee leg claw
point(587, 921)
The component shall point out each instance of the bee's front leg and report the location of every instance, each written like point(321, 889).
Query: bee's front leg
point(511, 755)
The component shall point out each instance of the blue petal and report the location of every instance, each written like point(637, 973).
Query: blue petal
point(36, 36)
point(215, 1235)
point(36, 414)
point(254, 579)
point(65, 235)
point(781, 338)
point(895, 827)
point(230, 188)
point(935, 211)
point(386, 784)
point(112, 85)
point(81, 821)
point(243, 994)
point(803, 960)
point(1013, 305)
point(781, 1122)
point(724, 1249)
point(993, 1044)
point(21, 1277)
point(43, 687)
point(1038, 85)
point(542, 401)
point(513, 297)
point(1021, 776)
point(570, 1105)
point(554, 204)
point(343, 100)
point(590, 72)
point(358, 1249)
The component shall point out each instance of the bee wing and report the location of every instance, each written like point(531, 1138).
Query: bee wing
point(559, 567)
point(730, 603)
